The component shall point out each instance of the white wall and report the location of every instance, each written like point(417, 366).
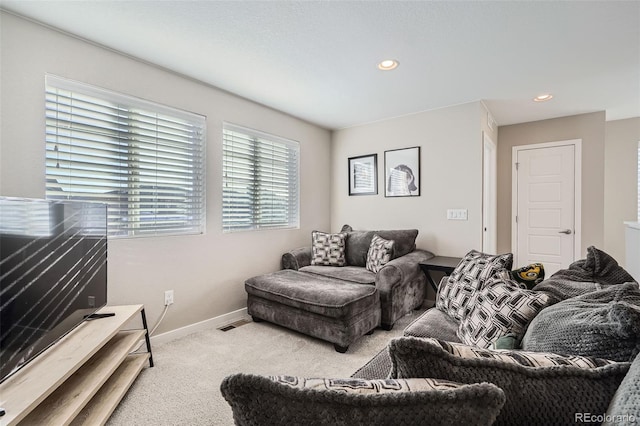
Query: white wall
point(620, 183)
point(207, 272)
point(451, 175)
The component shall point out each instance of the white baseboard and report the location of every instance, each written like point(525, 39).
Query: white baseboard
point(215, 322)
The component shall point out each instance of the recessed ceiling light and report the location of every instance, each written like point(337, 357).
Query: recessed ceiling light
point(542, 98)
point(388, 64)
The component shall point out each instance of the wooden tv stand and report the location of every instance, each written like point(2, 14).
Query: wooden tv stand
point(81, 378)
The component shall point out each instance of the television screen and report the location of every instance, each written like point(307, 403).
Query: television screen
point(53, 273)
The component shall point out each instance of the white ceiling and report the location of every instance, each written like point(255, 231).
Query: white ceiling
point(317, 59)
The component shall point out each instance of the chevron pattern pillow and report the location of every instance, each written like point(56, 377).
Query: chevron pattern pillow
point(500, 308)
point(379, 254)
point(458, 293)
point(328, 249)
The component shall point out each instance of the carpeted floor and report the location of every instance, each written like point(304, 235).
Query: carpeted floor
point(184, 386)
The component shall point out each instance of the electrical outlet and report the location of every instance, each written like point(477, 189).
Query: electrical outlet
point(168, 297)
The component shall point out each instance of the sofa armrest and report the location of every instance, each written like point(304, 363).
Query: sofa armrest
point(400, 269)
point(402, 286)
point(296, 258)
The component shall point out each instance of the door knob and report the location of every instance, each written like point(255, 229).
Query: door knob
point(566, 231)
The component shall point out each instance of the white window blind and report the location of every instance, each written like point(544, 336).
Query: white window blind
point(260, 180)
point(639, 181)
point(146, 161)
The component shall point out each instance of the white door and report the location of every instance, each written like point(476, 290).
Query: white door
point(489, 197)
point(546, 204)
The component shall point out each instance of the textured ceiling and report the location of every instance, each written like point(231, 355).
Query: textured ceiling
point(317, 59)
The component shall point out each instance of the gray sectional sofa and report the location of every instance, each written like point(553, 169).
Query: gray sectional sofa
point(576, 361)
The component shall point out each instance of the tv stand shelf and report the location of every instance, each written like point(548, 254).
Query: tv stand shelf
point(81, 378)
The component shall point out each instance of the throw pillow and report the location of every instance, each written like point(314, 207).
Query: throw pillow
point(379, 253)
point(458, 293)
point(358, 243)
point(603, 323)
point(528, 276)
point(510, 341)
point(328, 249)
point(500, 308)
point(364, 387)
point(542, 388)
point(285, 400)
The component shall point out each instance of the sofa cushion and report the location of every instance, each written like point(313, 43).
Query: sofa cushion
point(378, 367)
point(540, 388)
point(284, 400)
point(354, 274)
point(603, 323)
point(328, 249)
point(458, 293)
point(313, 293)
point(500, 308)
point(358, 243)
point(434, 323)
point(379, 253)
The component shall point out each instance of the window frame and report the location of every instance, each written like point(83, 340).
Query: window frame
point(255, 224)
point(173, 202)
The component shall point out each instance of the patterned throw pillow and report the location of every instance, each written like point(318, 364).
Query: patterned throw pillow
point(362, 386)
point(524, 358)
point(328, 249)
point(379, 253)
point(282, 400)
point(500, 308)
point(458, 293)
point(542, 388)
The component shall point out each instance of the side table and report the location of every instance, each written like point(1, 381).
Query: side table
point(444, 264)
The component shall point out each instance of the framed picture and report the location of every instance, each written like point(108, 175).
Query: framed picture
point(363, 175)
point(402, 172)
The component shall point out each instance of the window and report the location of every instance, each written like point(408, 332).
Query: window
point(260, 182)
point(146, 161)
point(639, 181)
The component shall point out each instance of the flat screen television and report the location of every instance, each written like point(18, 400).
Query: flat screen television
point(53, 273)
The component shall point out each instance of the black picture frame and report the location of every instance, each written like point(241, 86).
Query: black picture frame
point(402, 172)
point(363, 175)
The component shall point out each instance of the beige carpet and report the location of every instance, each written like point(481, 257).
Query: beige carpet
point(184, 386)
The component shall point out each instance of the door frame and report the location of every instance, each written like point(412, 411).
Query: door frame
point(489, 194)
point(577, 196)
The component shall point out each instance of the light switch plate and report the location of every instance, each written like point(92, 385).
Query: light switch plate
point(457, 214)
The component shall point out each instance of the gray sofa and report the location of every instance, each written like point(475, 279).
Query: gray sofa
point(359, 280)
point(400, 283)
point(555, 374)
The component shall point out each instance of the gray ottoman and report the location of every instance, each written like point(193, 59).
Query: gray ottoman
point(322, 307)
